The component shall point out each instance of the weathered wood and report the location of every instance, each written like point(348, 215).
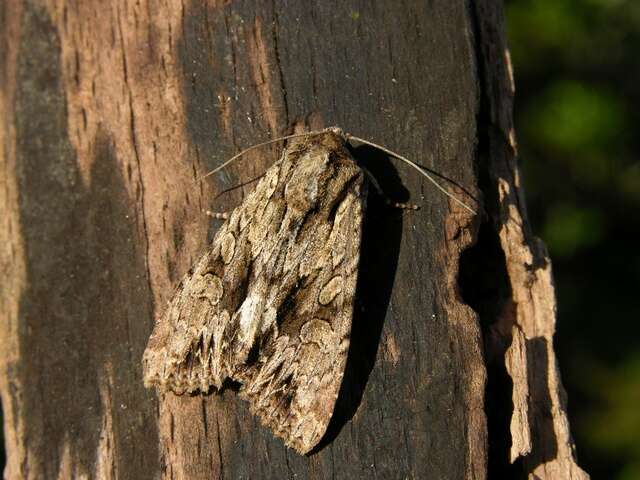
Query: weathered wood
point(112, 110)
point(519, 327)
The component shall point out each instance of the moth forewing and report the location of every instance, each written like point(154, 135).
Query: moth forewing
point(270, 303)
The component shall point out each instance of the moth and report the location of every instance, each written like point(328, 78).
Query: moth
point(269, 304)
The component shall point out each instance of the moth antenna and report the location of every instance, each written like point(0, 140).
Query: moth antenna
point(348, 136)
point(416, 166)
point(253, 147)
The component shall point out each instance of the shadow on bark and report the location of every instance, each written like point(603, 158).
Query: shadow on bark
point(545, 443)
point(485, 286)
point(379, 252)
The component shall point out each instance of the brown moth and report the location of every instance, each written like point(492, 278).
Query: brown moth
point(270, 303)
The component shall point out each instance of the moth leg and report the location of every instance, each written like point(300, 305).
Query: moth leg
point(217, 215)
point(387, 200)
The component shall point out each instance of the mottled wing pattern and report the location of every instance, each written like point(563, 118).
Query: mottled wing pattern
point(270, 304)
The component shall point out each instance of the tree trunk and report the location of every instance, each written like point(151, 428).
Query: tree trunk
point(111, 111)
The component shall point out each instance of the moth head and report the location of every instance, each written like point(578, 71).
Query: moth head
point(336, 131)
point(315, 161)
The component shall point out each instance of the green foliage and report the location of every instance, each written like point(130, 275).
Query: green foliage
point(569, 229)
point(614, 427)
point(586, 120)
point(577, 110)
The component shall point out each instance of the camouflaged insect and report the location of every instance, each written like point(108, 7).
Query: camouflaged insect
point(270, 303)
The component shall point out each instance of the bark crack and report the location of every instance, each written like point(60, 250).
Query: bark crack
point(220, 456)
point(276, 49)
point(134, 142)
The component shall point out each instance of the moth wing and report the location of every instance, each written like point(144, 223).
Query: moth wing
point(185, 350)
point(270, 304)
point(292, 359)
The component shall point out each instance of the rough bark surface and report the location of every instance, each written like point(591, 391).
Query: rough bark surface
point(111, 111)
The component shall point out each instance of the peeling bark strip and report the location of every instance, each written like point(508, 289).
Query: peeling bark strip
point(111, 111)
point(519, 333)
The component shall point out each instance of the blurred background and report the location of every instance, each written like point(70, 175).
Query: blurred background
point(577, 72)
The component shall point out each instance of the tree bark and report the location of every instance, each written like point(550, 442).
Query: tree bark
point(111, 111)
